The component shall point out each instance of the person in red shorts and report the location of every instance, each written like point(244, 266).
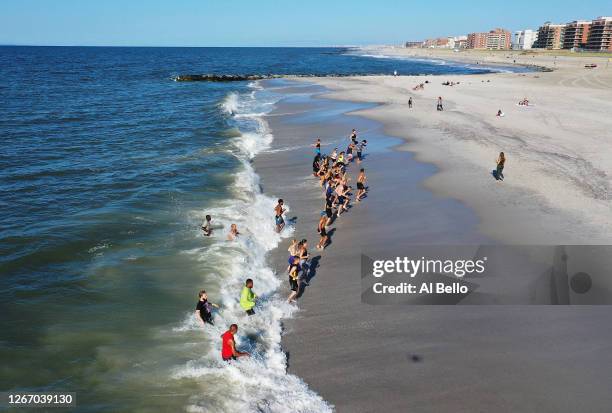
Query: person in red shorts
point(228, 347)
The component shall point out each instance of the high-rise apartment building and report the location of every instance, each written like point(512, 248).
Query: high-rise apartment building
point(550, 36)
point(524, 39)
point(600, 34)
point(576, 34)
point(477, 41)
point(498, 39)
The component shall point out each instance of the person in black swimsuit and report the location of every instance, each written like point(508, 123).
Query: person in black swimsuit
point(203, 311)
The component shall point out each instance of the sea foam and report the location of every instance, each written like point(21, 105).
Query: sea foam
point(259, 383)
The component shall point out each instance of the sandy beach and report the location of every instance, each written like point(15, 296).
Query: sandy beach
point(434, 185)
point(557, 185)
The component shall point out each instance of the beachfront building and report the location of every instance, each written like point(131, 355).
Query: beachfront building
point(524, 39)
point(576, 34)
point(600, 34)
point(460, 42)
point(550, 36)
point(497, 39)
point(438, 43)
point(477, 41)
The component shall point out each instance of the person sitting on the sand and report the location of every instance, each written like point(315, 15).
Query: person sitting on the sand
point(500, 113)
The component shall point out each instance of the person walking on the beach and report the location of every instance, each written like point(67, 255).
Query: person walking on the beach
point(342, 198)
point(293, 248)
point(334, 155)
point(440, 107)
point(228, 345)
point(361, 180)
point(360, 149)
point(206, 226)
point(279, 211)
point(303, 254)
point(322, 231)
point(501, 161)
point(203, 311)
point(349, 151)
point(293, 252)
point(329, 212)
point(294, 271)
point(341, 162)
point(248, 299)
point(410, 103)
point(316, 165)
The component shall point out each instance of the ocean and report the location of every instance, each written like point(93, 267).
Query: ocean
point(107, 169)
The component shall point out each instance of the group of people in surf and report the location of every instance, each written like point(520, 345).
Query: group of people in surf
point(204, 314)
point(331, 170)
point(334, 179)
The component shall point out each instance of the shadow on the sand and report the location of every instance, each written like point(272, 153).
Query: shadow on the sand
point(329, 237)
point(496, 176)
point(312, 272)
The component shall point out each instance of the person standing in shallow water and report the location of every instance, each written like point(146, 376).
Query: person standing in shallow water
point(317, 146)
point(206, 226)
point(278, 218)
point(228, 345)
point(233, 233)
point(294, 273)
point(248, 299)
point(204, 308)
point(501, 161)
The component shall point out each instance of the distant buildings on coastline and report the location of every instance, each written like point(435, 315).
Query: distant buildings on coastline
point(496, 39)
point(592, 35)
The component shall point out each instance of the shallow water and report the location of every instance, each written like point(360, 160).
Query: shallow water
point(107, 169)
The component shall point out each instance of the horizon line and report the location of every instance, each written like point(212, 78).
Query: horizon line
point(159, 46)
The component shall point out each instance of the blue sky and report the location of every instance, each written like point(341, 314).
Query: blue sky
point(270, 23)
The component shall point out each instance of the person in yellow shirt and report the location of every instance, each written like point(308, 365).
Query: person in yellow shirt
point(248, 299)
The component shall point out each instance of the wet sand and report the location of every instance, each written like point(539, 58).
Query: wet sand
point(367, 358)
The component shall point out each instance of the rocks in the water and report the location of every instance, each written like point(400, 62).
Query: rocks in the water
point(221, 78)
point(236, 78)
